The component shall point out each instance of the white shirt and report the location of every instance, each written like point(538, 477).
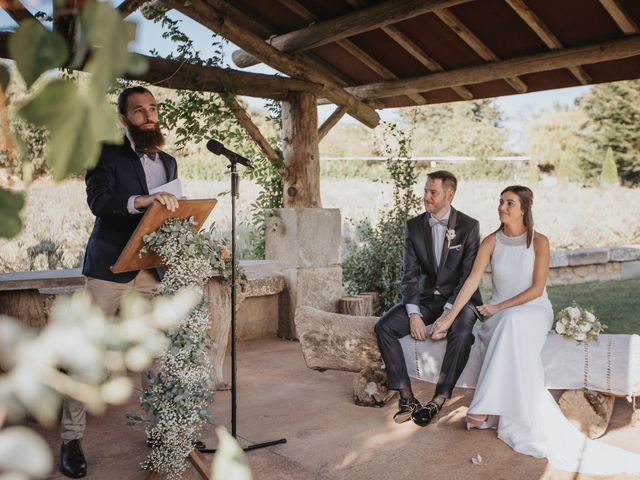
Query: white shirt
point(154, 173)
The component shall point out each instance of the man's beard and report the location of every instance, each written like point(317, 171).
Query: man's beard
point(146, 139)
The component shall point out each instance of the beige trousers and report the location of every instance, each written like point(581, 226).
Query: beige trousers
point(107, 296)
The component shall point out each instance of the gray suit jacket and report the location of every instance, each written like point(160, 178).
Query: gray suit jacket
point(420, 275)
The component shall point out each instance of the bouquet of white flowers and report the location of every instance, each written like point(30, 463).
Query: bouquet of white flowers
point(578, 323)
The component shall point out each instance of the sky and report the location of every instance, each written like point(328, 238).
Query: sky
point(518, 110)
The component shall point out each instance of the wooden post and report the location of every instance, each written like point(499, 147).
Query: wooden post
point(300, 151)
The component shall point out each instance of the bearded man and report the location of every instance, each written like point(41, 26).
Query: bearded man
point(118, 193)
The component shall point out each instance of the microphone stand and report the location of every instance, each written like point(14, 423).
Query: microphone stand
point(235, 183)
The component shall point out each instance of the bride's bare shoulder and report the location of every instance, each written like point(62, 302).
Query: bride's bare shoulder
point(489, 240)
point(540, 241)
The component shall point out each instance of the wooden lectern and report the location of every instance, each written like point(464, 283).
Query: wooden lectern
point(131, 259)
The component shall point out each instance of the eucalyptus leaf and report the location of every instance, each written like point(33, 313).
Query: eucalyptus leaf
point(229, 461)
point(77, 123)
point(5, 77)
point(10, 205)
point(36, 50)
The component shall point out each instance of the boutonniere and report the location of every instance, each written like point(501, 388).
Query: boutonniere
point(451, 234)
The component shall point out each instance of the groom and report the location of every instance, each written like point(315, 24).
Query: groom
point(440, 247)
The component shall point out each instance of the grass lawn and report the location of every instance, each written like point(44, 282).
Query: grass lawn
point(617, 304)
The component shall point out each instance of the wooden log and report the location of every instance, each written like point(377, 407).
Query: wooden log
point(29, 306)
point(331, 341)
point(358, 305)
point(363, 20)
point(539, 62)
point(300, 151)
point(218, 292)
point(370, 387)
point(226, 20)
point(589, 411)
point(375, 301)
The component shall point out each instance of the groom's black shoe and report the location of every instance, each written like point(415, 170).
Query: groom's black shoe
point(406, 406)
point(72, 461)
point(423, 416)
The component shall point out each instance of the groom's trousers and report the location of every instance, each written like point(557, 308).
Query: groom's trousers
point(394, 325)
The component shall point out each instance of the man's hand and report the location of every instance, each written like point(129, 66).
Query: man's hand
point(167, 199)
point(488, 310)
point(417, 327)
point(441, 326)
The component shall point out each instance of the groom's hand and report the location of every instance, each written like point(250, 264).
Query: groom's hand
point(417, 327)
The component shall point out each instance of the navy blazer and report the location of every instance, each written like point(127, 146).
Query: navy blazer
point(420, 275)
point(117, 176)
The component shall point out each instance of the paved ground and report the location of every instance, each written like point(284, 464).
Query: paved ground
point(330, 438)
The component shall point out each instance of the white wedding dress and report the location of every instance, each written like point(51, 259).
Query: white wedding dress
point(511, 384)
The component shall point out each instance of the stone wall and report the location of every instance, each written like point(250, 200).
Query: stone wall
point(599, 264)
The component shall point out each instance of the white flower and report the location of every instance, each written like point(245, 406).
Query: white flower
point(590, 317)
point(581, 336)
point(451, 234)
point(117, 391)
point(574, 313)
point(560, 328)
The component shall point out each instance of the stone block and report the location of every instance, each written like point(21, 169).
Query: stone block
point(625, 253)
point(588, 256)
point(258, 317)
point(559, 258)
point(320, 288)
point(629, 270)
point(304, 237)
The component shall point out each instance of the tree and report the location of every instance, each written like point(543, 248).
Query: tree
point(609, 175)
point(613, 111)
point(553, 141)
point(471, 128)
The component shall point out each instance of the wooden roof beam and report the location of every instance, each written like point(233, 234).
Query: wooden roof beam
point(626, 23)
point(331, 121)
point(364, 20)
point(539, 62)
point(254, 132)
point(127, 7)
point(546, 35)
point(16, 10)
point(353, 49)
point(478, 46)
point(220, 17)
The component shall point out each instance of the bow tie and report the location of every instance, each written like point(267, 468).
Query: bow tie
point(434, 221)
point(150, 155)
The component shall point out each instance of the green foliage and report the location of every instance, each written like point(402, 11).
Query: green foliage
point(375, 264)
point(10, 205)
point(613, 111)
point(461, 128)
point(609, 175)
point(36, 50)
point(554, 142)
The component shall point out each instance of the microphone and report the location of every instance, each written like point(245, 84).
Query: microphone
point(216, 147)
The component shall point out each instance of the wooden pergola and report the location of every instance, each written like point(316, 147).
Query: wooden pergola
point(365, 55)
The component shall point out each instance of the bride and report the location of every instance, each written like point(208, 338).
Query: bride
point(510, 395)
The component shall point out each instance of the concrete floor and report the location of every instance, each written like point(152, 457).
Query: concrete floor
point(330, 438)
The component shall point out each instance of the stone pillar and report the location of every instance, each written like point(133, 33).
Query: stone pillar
point(306, 241)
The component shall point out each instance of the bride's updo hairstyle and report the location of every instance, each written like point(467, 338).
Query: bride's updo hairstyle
point(526, 202)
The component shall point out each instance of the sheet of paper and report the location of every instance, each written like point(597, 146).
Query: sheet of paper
point(174, 187)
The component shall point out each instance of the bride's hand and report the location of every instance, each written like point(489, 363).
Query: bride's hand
point(440, 327)
point(488, 310)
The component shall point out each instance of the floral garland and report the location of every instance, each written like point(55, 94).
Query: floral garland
point(178, 396)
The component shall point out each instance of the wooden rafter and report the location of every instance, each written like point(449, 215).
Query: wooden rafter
point(478, 46)
point(540, 62)
point(352, 48)
point(364, 20)
point(184, 76)
point(626, 23)
point(252, 129)
point(16, 10)
point(416, 52)
point(331, 121)
point(221, 17)
point(546, 35)
point(127, 7)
